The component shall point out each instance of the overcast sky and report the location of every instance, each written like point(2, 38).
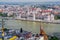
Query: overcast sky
point(27, 0)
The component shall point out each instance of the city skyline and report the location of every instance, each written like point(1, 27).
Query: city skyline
point(29, 0)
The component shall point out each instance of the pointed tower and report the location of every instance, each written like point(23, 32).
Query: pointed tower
point(42, 32)
point(2, 30)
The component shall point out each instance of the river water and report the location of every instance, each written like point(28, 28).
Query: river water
point(33, 27)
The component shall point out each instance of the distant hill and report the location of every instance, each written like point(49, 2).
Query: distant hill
point(31, 3)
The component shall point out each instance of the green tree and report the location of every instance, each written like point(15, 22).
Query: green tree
point(54, 38)
point(4, 15)
point(1, 14)
point(57, 17)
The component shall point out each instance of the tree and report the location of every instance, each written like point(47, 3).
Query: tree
point(54, 38)
point(3, 14)
point(57, 17)
point(5, 29)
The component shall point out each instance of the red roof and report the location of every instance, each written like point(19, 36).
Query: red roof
point(46, 11)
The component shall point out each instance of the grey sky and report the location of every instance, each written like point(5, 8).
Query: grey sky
point(27, 0)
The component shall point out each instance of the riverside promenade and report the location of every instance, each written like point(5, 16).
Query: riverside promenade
point(36, 20)
point(43, 21)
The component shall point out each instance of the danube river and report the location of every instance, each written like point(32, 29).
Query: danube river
point(33, 27)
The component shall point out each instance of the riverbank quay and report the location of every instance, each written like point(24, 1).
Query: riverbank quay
point(36, 20)
point(43, 21)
